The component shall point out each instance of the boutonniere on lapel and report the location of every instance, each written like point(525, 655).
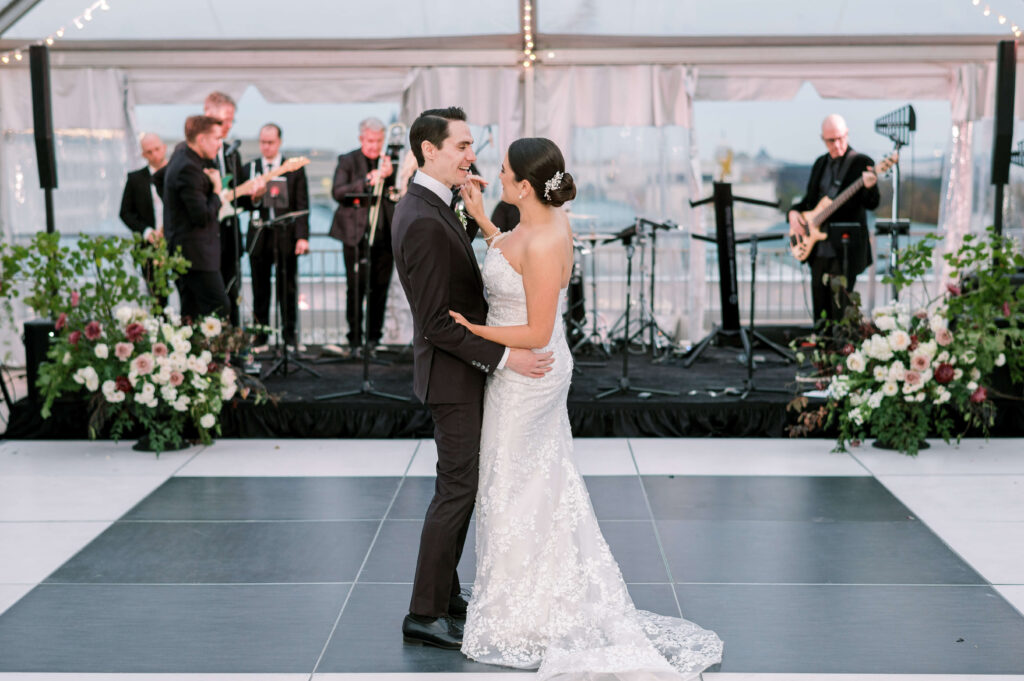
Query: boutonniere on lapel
point(460, 213)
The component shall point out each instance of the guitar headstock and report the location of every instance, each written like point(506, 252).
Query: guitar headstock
point(887, 163)
point(294, 164)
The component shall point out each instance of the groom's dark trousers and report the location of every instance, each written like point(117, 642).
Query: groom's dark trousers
point(439, 272)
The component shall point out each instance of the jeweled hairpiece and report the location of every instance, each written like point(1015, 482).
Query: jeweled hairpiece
point(553, 183)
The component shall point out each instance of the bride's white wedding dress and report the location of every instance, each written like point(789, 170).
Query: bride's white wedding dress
point(548, 594)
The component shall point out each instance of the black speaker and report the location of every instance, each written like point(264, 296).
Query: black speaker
point(1002, 136)
point(37, 341)
point(42, 117)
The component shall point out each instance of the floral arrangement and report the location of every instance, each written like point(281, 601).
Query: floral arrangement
point(902, 376)
point(154, 371)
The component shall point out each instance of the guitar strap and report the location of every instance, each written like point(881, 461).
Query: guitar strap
point(841, 173)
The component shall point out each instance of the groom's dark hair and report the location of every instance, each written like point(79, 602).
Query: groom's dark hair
point(432, 126)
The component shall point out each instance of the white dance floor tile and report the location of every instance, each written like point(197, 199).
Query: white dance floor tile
point(425, 462)
point(151, 677)
point(971, 457)
point(86, 457)
point(240, 458)
point(603, 456)
point(34, 550)
point(994, 549)
point(1014, 595)
point(960, 497)
point(717, 456)
point(11, 594)
point(78, 498)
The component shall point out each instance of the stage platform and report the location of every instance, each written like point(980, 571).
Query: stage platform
point(289, 560)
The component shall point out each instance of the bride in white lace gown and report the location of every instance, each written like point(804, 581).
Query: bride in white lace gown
point(548, 593)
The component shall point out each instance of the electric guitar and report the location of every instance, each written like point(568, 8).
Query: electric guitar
point(246, 188)
point(800, 245)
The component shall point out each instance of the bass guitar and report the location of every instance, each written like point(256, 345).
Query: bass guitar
point(228, 196)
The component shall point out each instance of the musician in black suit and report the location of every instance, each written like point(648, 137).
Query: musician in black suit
point(439, 272)
point(191, 202)
point(831, 174)
point(359, 172)
point(141, 208)
point(222, 106)
point(288, 239)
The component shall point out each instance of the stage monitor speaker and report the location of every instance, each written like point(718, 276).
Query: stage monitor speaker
point(37, 341)
point(42, 116)
point(1002, 136)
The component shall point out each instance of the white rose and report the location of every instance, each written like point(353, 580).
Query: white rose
point(67, 358)
point(227, 376)
point(899, 340)
point(903, 320)
point(856, 416)
point(1000, 360)
point(227, 392)
point(169, 393)
point(207, 421)
point(102, 351)
point(897, 372)
point(180, 345)
point(936, 322)
point(943, 357)
point(885, 323)
point(975, 374)
point(958, 374)
point(968, 357)
point(123, 314)
point(855, 362)
point(881, 373)
point(890, 388)
point(211, 327)
point(919, 397)
point(972, 386)
point(875, 401)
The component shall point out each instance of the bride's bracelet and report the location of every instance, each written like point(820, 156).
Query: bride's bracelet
point(488, 238)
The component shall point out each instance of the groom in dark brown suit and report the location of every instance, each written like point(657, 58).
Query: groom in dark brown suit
point(439, 272)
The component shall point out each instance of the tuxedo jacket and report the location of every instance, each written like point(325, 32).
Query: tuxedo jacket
point(854, 210)
point(190, 210)
point(353, 216)
point(298, 199)
point(137, 201)
point(439, 272)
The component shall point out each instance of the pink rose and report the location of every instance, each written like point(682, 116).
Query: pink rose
point(944, 373)
point(93, 330)
point(919, 362)
point(177, 378)
point(62, 320)
point(135, 332)
point(123, 351)
point(943, 337)
point(979, 395)
point(954, 289)
point(159, 349)
point(912, 378)
point(75, 337)
point(143, 364)
point(75, 297)
point(1006, 309)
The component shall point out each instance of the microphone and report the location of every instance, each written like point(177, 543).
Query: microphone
point(232, 148)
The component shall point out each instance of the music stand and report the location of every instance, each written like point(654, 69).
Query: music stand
point(624, 386)
point(594, 339)
point(749, 385)
point(648, 321)
point(366, 246)
point(728, 287)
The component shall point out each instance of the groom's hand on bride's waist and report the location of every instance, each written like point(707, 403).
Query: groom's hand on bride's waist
point(529, 363)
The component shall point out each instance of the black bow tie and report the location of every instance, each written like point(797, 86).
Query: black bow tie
point(455, 200)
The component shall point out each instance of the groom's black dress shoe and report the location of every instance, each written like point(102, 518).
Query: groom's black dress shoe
point(457, 606)
point(441, 632)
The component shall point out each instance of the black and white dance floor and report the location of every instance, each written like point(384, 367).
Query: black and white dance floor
point(291, 559)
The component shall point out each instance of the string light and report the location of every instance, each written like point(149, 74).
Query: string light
point(1001, 18)
point(88, 14)
point(529, 56)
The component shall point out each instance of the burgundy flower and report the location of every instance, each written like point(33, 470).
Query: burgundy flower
point(123, 384)
point(75, 337)
point(954, 289)
point(61, 321)
point(211, 367)
point(944, 373)
point(847, 349)
point(93, 330)
point(1006, 309)
point(979, 395)
point(913, 342)
point(135, 332)
point(75, 297)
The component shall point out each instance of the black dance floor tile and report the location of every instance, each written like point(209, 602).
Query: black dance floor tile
point(169, 629)
point(613, 497)
point(771, 498)
point(222, 552)
point(393, 556)
point(655, 598)
point(265, 498)
point(773, 552)
point(860, 629)
point(369, 638)
point(635, 548)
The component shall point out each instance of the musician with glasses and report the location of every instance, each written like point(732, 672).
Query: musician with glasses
point(833, 172)
point(358, 173)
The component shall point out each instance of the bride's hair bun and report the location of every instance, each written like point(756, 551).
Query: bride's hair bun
point(539, 161)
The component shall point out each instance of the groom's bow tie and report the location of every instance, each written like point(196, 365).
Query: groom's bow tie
point(455, 199)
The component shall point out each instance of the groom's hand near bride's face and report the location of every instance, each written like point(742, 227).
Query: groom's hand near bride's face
point(529, 363)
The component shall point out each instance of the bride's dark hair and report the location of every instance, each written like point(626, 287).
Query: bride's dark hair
point(538, 160)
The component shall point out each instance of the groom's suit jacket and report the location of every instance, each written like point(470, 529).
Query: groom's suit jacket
point(439, 272)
